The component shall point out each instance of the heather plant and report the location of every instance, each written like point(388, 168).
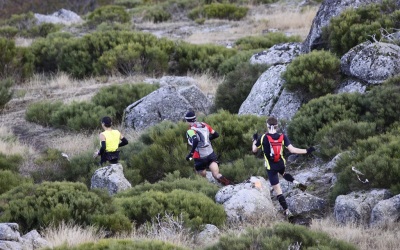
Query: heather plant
point(121, 96)
point(320, 112)
point(377, 157)
point(231, 63)
point(196, 208)
point(314, 74)
point(280, 236)
point(10, 180)
point(237, 85)
point(355, 26)
point(264, 41)
point(37, 205)
point(109, 14)
point(10, 162)
point(8, 32)
point(242, 169)
point(41, 112)
point(157, 14)
point(5, 91)
point(219, 11)
point(15, 62)
point(142, 244)
point(51, 166)
point(197, 184)
point(335, 138)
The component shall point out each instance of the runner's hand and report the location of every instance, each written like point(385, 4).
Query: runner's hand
point(189, 156)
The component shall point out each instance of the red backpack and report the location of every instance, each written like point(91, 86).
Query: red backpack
point(275, 147)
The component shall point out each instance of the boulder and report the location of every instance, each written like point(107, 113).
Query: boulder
point(356, 207)
point(287, 105)
point(386, 212)
point(265, 92)
point(305, 204)
point(111, 178)
point(373, 63)
point(9, 232)
point(62, 16)
point(282, 53)
point(10, 238)
point(167, 103)
point(208, 236)
point(327, 10)
point(351, 86)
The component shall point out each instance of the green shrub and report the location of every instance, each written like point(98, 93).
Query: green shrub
point(377, 157)
point(36, 206)
point(43, 30)
point(196, 208)
point(315, 74)
point(197, 185)
point(281, 236)
point(320, 112)
point(340, 136)
point(355, 26)
point(395, 80)
point(121, 96)
point(51, 166)
point(237, 86)
point(5, 91)
point(219, 11)
point(110, 14)
point(265, 41)
point(231, 63)
point(15, 62)
point(10, 162)
point(10, 180)
point(118, 244)
point(8, 32)
point(157, 14)
point(128, 3)
point(80, 116)
point(243, 169)
point(133, 58)
point(198, 58)
point(41, 112)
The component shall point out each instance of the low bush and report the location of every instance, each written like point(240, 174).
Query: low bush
point(41, 112)
point(342, 135)
point(122, 244)
point(315, 74)
point(197, 185)
point(157, 14)
point(10, 180)
point(231, 63)
point(109, 13)
point(10, 162)
point(377, 157)
point(15, 62)
point(51, 166)
point(265, 41)
point(5, 91)
point(33, 206)
point(219, 11)
point(356, 25)
point(121, 96)
point(281, 236)
point(242, 169)
point(237, 85)
point(196, 208)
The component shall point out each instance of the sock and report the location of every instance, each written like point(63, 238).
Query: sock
point(282, 201)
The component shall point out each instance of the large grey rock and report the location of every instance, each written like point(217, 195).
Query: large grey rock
point(167, 103)
point(327, 10)
point(282, 53)
point(111, 178)
point(375, 62)
point(305, 204)
point(208, 236)
point(264, 93)
point(9, 231)
point(386, 212)
point(62, 16)
point(345, 61)
point(351, 86)
point(356, 207)
point(33, 240)
point(287, 105)
point(246, 201)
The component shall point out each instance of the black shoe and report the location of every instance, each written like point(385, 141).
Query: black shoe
point(224, 181)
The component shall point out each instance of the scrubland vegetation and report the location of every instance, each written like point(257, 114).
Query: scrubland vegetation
point(41, 189)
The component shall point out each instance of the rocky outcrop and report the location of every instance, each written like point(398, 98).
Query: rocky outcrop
point(167, 103)
point(327, 10)
point(111, 178)
point(246, 201)
point(306, 205)
point(386, 212)
point(208, 236)
point(356, 207)
point(265, 92)
point(10, 238)
point(372, 63)
point(282, 53)
point(62, 16)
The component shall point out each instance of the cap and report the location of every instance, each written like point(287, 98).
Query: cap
point(272, 121)
point(190, 116)
point(106, 120)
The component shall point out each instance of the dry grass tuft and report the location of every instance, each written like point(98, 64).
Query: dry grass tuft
point(207, 83)
point(72, 144)
point(9, 144)
point(362, 237)
point(71, 235)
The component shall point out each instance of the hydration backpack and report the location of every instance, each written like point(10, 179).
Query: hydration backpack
point(204, 147)
point(275, 147)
